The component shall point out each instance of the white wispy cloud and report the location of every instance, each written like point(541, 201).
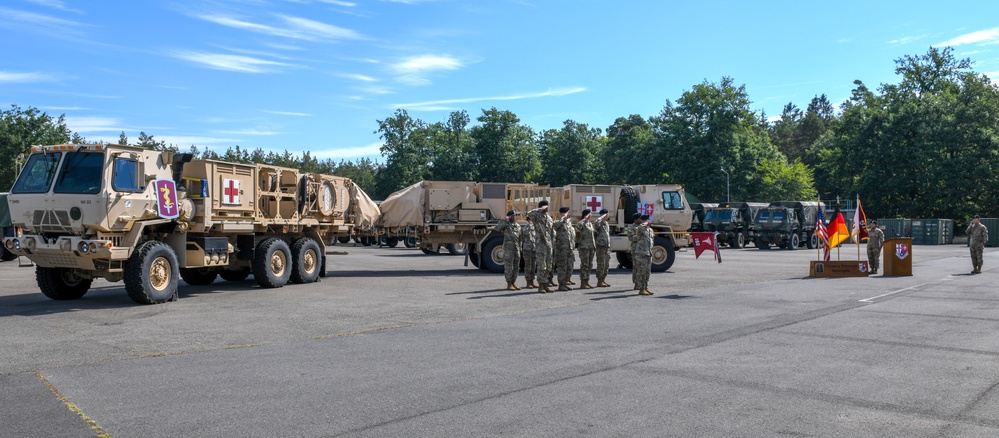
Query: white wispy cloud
point(55, 4)
point(237, 63)
point(441, 104)
point(339, 3)
point(358, 77)
point(40, 23)
point(994, 75)
point(25, 77)
point(293, 27)
point(183, 141)
point(63, 108)
point(349, 152)
point(415, 69)
point(250, 131)
point(288, 113)
point(908, 39)
point(93, 124)
point(987, 36)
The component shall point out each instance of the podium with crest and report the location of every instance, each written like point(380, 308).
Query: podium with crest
point(896, 255)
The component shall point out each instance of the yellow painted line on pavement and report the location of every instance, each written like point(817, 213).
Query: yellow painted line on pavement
point(72, 407)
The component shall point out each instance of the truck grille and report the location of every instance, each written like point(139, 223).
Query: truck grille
point(51, 220)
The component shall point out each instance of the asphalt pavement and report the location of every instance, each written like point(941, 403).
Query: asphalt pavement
point(398, 343)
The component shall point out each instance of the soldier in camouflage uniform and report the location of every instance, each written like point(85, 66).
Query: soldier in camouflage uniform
point(875, 240)
point(511, 248)
point(642, 256)
point(601, 235)
point(978, 237)
point(564, 244)
point(571, 257)
point(527, 251)
point(636, 220)
point(587, 245)
point(542, 244)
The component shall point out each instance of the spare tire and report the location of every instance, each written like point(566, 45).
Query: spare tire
point(629, 202)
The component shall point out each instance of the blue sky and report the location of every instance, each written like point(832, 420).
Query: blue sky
point(316, 75)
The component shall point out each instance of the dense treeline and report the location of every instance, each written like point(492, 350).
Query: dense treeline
point(926, 146)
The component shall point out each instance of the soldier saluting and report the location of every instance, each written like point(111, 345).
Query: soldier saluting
point(978, 236)
point(511, 248)
point(875, 240)
point(642, 256)
point(564, 244)
point(542, 244)
point(527, 251)
point(601, 237)
point(586, 244)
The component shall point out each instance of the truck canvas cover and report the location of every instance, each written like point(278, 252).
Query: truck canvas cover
point(367, 213)
point(403, 208)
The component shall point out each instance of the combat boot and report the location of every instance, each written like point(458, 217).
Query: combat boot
point(510, 286)
point(549, 290)
point(515, 287)
point(530, 284)
point(562, 287)
point(542, 290)
point(602, 283)
point(585, 284)
point(637, 288)
point(645, 292)
point(570, 282)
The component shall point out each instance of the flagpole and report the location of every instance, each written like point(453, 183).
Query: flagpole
point(818, 248)
point(856, 217)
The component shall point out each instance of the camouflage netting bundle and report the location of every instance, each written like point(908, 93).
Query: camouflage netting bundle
point(403, 208)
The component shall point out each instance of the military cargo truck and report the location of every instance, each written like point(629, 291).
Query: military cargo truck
point(150, 219)
point(735, 222)
point(6, 229)
point(697, 219)
point(464, 213)
point(787, 224)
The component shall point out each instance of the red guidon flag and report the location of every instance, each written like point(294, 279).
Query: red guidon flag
point(705, 241)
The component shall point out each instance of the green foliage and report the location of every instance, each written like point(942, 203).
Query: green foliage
point(711, 128)
point(630, 144)
point(21, 128)
point(782, 181)
point(407, 152)
point(505, 150)
point(571, 155)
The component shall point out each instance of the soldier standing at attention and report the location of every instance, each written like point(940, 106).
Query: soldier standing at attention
point(527, 251)
point(601, 236)
point(978, 236)
point(587, 245)
point(875, 240)
point(636, 219)
point(642, 256)
point(564, 245)
point(571, 257)
point(542, 244)
point(511, 248)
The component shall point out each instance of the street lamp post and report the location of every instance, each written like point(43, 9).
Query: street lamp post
point(728, 188)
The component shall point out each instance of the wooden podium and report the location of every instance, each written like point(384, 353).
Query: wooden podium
point(897, 257)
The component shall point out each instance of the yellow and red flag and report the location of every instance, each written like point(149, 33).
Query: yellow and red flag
point(838, 233)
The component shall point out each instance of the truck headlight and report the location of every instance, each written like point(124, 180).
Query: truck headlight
point(84, 247)
point(17, 244)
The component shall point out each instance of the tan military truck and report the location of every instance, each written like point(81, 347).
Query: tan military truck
point(152, 218)
point(464, 213)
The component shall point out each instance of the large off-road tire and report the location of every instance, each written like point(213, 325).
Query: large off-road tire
point(367, 240)
point(492, 255)
point(457, 248)
point(235, 275)
point(272, 263)
point(343, 239)
point(624, 259)
point(61, 284)
point(793, 242)
point(199, 276)
point(429, 251)
point(152, 273)
point(663, 254)
point(739, 241)
point(306, 261)
point(7, 255)
point(476, 258)
point(392, 242)
point(410, 242)
point(813, 241)
point(629, 202)
point(383, 240)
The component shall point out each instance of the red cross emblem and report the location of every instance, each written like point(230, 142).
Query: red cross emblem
point(593, 202)
point(645, 208)
point(230, 191)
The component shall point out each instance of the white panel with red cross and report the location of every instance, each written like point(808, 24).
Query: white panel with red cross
point(594, 203)
point(230, 191)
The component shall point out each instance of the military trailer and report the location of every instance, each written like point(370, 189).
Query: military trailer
point(455, 212)
point(697, 218)
point(734, 222)
point(152, 218)
point(787, 224)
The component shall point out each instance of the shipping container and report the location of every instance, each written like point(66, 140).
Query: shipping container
point(932, 231)
point(895, 227)
point(991, 224)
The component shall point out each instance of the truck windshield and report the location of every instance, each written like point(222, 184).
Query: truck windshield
point(763, 215)
point(672, 201)
point(37, 174)
point(81, 173)
point(778, 215)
